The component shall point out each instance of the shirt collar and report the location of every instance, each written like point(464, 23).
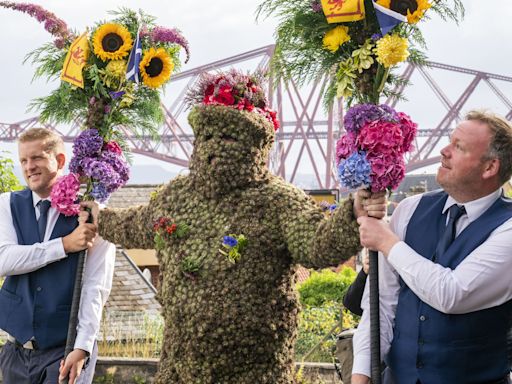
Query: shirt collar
point(476, 207)
point(36, 198)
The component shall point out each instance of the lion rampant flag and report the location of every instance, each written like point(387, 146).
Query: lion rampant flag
point(75, 61)
point(339, 11)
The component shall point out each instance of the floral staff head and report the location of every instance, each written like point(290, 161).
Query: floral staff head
point(371, 153)
point(111, 77)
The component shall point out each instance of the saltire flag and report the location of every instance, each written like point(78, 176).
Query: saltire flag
point(388, 18)
point(338, 11)
point(132, 69)
point(75, 61)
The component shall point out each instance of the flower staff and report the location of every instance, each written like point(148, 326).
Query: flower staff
point(105, 91)
point(356, 44)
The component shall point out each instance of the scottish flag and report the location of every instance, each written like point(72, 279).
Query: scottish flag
point(132, 69)
point(388, 18)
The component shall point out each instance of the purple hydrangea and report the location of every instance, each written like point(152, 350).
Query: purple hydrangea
point(354, 172)
point(118, 165)
point(87, 144)
point(360, 114)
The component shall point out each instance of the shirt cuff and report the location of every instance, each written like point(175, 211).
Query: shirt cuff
point(54, 249)
point(362, 365)
point(85, 342)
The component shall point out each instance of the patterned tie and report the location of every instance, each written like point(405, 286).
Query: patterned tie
point(43, 205)
point(455, 212)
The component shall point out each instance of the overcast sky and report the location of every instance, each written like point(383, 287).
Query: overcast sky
point(222, 28)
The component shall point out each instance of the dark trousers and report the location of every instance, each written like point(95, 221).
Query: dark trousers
point(25, 366)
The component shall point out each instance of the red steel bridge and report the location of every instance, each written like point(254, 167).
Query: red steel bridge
point(308, 133)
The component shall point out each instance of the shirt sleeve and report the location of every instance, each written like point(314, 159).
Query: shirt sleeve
point(389, 287)
point(18, 259)
point(97, 283)
point(480, 281)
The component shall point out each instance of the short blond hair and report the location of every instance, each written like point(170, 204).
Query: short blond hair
point(500, 146)
point(52, 141)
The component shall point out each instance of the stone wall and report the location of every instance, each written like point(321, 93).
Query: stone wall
point(142, 371)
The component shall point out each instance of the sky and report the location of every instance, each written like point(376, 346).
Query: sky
point(223, 28)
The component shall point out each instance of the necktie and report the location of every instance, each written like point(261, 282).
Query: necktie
point(455, 212)
point(43, 205)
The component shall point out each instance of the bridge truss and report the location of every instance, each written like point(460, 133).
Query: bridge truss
point(306, 140)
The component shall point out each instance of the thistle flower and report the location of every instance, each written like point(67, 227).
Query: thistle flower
point(170, 35)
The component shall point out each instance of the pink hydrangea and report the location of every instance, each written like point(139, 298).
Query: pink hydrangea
point(409, 130)
point(64, 195)
point(388, 171)
point(381, 137)
point(345, 146)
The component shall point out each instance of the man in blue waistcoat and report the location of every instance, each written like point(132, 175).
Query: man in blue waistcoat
point(38, 256)
point(445, 265)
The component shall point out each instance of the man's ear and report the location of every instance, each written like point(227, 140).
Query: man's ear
point(492, 168)
point(61, 160)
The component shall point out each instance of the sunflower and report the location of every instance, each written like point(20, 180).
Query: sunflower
point(335, 38)
point(156, 67)
point(413, 9)
point(391, 50)
point(112, 42)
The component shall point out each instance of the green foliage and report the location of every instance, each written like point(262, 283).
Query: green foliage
point(300, 55)
point(107, 379)
point(325, 286)
point(8, 181)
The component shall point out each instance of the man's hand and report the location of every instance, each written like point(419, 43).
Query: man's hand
point(376, 235)
point(360, 379)
point(72, 366)
point(82, 237)
point(94, 207)
point(371, 204)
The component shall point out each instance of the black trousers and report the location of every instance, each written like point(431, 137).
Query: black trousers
point(25, 366)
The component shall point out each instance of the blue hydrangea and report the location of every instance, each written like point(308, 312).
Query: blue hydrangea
point(230, 241)
point(354, 172)
point(99, 192)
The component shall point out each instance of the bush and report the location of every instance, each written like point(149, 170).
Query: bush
point(8, 181)
point(326, 286)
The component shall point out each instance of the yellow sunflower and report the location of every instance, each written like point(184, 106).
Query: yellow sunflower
point(336, 37)
point(413, 9)
point(156, 67)
point(112, 42)
point(391, 50)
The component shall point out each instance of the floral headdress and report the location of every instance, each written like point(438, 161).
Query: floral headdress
point(111, 76)
point(233, 89)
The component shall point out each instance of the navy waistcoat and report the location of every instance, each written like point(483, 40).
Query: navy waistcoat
point(439, 348)
point(37, 304)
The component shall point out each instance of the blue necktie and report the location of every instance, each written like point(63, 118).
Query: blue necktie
point(43, 205)
point(455, 212)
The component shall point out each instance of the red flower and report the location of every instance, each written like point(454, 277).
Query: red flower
point(171, 228)
point(112, 146)
point(225, 95)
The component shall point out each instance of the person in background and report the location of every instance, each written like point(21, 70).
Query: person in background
point(38, 256)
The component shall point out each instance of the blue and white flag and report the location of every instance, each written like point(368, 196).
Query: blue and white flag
point(388, 18)
point(132, 69)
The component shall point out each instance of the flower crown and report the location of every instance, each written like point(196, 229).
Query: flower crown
point(233, 89)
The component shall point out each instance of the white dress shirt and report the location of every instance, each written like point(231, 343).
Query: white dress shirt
point(480, 281)
point(18, 259)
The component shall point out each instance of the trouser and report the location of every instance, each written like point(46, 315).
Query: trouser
point(32, 366)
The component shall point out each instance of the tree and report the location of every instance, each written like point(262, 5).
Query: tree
point(8, 180)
